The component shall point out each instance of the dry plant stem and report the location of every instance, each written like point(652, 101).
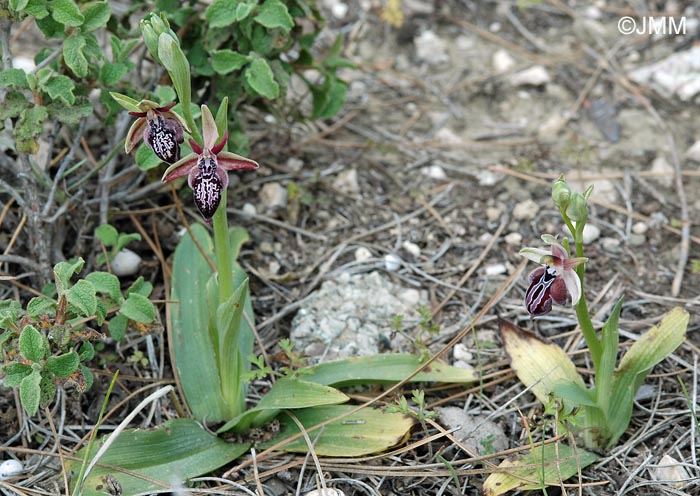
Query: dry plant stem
point(49, 417)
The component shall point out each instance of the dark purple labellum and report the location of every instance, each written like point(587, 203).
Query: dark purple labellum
point(544, 286)
point(207, 186)
point(164, 136)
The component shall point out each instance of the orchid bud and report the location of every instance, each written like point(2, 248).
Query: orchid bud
point(151, 28)
point(577, 209)
point(561, 193)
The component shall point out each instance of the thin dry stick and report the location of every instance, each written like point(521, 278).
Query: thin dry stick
point(258, 485)
point(64, 472)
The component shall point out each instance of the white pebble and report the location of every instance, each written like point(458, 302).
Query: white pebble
point(392, 263)
point(411, 248)
point(514, 239)
point(502, 61)
point(461, 352)
point(430, 48)
point(526, 210)
point(495, 269)
point(590, 233)
point(273, 195)
point(347, 182)
point(640, 228)
point(125, 263)
point(434, 172)
point(693, 153)
point(362, 254)
point(10, 468)
point(410, 296)
point(536, 75)
point(249, 210)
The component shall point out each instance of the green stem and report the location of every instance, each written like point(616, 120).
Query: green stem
point(194, 130)
point(222, 250)
point(584, 318)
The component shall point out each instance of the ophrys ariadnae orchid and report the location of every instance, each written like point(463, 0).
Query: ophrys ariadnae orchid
point(160, 128)
point(207, 168)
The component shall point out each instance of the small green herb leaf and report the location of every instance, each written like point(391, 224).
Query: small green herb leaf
point(31, 344)
point(29, 126)
point(15, 78)
point(221, 13)
point(225, 61)
point(73, 54)
point(61, 88)
point(15, 372)
point(30, 393)
point(138, 308)
point(274, 14)
point(117, 327)
point(96, 16)
point(63, 271)
point(259, 77)
point(63, 365)
point(67, 12)
point(105, 283)
point(107, 234)
point(14, 104)
point(83, 298)
point(41, 305)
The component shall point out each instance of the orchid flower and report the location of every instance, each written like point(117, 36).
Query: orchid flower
point(160, 128)
point(207, 167)
point(555, 281)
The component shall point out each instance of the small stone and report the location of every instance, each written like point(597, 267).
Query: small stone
point(640, 228)
point(693, 153)
point(125, 263)
point(24, 63)
point(526, 210)
point(273, 196)
point(536, 75)
point(274, 267)
point(495, 269)
point(610, 245)
point(636, 239)
point(430, 48)
point(249, 210)
point(447, 136)
point(339, 10)
point(294, 163)
point(392, 263)
point(347, 182)
point(666, 172)
point(551, 127)
point(590, 233)
point(476, 431)
point(434, 172)
point(267, 248)
point(488, 178)
point(514, 239)
point(461, 352)
point(10, 468)
point(411, 248)
point(493, 214)
point(502, 61)
point(410, 296)
point(362, 254)
point(670, 469)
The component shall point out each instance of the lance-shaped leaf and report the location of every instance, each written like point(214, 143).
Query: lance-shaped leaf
point(543, 466)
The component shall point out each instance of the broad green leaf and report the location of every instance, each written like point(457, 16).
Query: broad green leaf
point(63, 365)
point(31, 344)
point(225, 61)
point(41, 305)
point(73, 54)
point(610, 339)
point(543, 466)
point(274, 14)
point(96, 16)
point(221, 13)
point(18, 5)
point(125, 239)
point(117, 327)
point(384, 369)
point(285, 394)
point(13, 105)
point(167, 456)
point(138, 308)
point(36, 9)
point(82, 298)
point(87, 351)
point(362, 433)
point(107, 234)
point(67, 13)
point(259, 76)
point(140, 286)
point(30, 392)
point(106, 283)
point(70, 114)
point(539, 365)
point(61, 88)
point(14, 78)
point(125, 101)
point(47, 389)
point(243, 10)
point(328, 100)
point(228, 323)
point(29, 126)
point(50, 27)
point(111, 74)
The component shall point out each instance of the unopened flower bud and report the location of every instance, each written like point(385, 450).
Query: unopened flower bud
point(561, 193)
point(152, 26)
point(577, 209)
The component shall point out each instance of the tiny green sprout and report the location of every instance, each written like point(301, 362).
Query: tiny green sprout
point(260, 373)
point(487, 444)
point(561, 193)
point(138, 358)
point(426, 322)
point(397, 322)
